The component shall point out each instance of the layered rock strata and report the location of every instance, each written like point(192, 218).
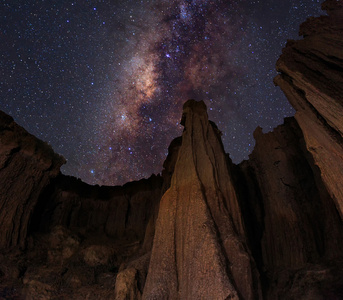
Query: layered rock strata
point(311, 78)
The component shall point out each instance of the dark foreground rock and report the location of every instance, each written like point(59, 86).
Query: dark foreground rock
point(292, 222)
point(27, 165)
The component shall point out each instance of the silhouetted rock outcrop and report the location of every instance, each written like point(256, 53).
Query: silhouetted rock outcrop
point(268, 228)
point(117, 212)
point(26, 167)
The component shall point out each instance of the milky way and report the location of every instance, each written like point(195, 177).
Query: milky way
point(104, 81)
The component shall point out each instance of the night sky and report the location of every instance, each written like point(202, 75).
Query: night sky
point(104, 81)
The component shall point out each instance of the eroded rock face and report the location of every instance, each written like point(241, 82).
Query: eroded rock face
point(116, 212)
point(294, 198)
point(74, 237)
point(311, 78)
point(268, 228)
point(27, 165)
point(199, 229)
point(291, 219)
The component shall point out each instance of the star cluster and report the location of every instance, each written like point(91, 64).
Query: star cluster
point(104, 81)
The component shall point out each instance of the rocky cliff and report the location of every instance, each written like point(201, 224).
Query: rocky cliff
point(26, 167)
point(292, 222)
point(268, 228)
point(56, 229)
point(311, 78)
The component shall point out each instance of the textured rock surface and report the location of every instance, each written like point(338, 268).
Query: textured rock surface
point(292, 222)
point(199, 227)
point(126, 285)
point(268, 228)
point(311, 78)
point(76, 236)
point(117, 212)
point(26, 167)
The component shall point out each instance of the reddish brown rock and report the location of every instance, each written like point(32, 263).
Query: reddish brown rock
point(291, 219)
point(27, 165)
point(116, 212)
point(74, 234)
point(199, 249)
point(311, 78)
point(281, 210)
point(126, 285)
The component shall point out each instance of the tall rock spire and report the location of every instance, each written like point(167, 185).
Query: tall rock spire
point(199, 230)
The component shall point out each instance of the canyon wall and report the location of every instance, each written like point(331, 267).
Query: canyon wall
point(268, 228)
point(52, 224)
point(292, 222)
point(27, 165)
point(311, 78)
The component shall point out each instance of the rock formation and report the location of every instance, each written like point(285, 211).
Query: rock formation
point(199, 249)
point(56, 228)
point(117, 212)
point(268, 228)
point(311, 78)
point(26, 168)
point(292, 222)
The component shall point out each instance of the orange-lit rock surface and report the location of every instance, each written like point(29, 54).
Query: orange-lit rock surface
point(311, 78)
point(199, 249)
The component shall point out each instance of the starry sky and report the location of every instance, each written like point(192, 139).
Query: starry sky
point(104, 81)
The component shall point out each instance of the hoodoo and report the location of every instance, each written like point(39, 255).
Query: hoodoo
point(199, 249)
